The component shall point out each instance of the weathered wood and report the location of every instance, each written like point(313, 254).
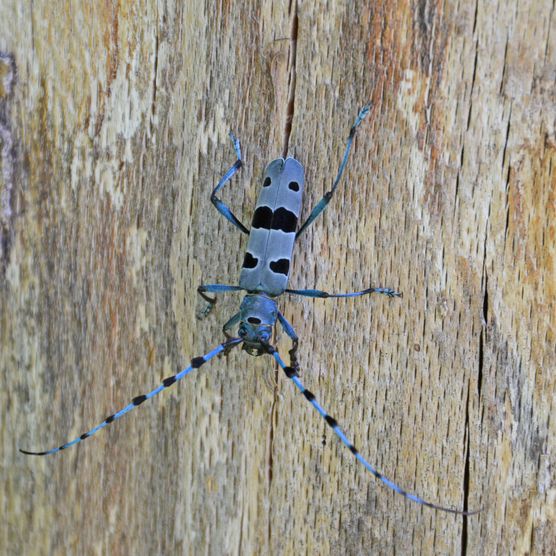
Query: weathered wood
point(113, 130)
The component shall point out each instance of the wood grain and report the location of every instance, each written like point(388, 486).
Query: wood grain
point(113, 130)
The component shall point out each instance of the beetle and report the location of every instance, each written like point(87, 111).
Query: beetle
point(264, 277)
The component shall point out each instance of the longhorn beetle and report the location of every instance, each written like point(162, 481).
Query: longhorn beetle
point(264, 276)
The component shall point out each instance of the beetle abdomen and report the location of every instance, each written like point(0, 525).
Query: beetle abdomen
point(266, 264)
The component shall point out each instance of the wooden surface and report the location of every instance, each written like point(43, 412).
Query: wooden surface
point(113, 130)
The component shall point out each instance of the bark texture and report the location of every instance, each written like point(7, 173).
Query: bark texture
point(113, 131)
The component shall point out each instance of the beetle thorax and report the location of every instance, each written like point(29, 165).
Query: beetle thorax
point(258, 314)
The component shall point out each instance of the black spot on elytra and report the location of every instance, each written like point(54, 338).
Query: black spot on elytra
point(169, 381)
point(267, 182)
point(285, 220)
point(249, 261)
point(254, 320)
point(281, 266)
point(262, 218)
point(293, 185)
